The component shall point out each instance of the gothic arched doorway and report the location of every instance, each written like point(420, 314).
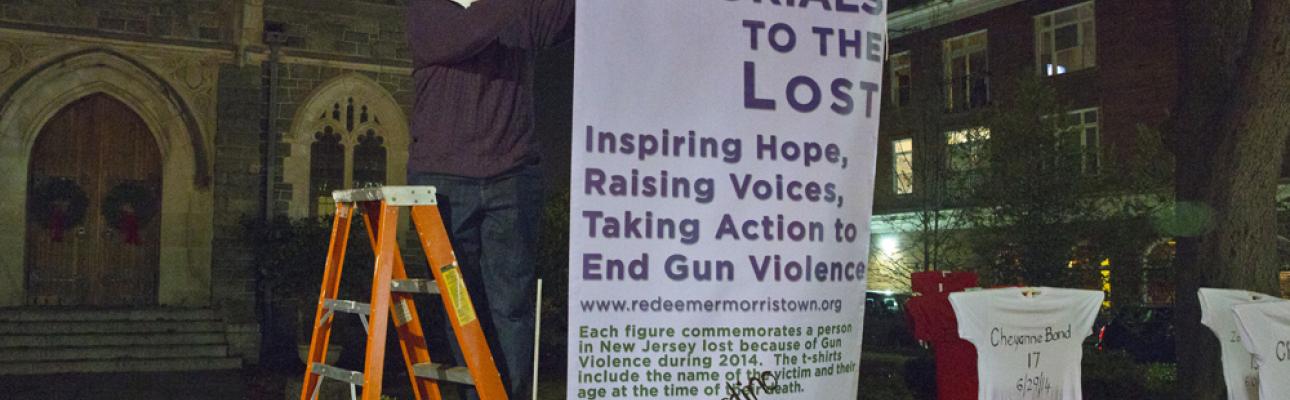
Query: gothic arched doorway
point(94, 195)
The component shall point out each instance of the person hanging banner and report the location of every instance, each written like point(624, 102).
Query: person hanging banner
point(722, 186)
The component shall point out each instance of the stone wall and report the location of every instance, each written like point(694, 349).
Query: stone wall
point(189, 20)
point(368, 30)
point(238, 177)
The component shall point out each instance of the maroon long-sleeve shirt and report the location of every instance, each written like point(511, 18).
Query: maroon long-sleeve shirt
point(473, 69)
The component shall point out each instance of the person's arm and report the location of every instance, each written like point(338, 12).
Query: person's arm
point(551, 22)
point(441, 32)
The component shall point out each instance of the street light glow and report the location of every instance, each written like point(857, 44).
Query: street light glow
point(889, 244)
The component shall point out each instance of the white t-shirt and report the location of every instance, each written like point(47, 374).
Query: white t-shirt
point(1265, 332)
point(1028, 346)
point(1239, 371)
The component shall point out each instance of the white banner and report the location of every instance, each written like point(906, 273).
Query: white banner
point(723, 165)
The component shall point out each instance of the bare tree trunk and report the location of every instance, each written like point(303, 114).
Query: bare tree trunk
point(1228, 134)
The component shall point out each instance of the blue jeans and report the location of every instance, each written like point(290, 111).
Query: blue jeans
point(493, 224)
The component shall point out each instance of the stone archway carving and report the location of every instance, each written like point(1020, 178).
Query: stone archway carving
point(186, 203)
point(386, 118)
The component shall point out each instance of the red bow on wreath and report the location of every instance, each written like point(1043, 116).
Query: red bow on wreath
point(130, 226)
point(57, 223)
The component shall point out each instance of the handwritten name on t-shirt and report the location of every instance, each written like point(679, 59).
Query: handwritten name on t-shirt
point(1001, 338)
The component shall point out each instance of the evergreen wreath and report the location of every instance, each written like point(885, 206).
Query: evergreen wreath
point(48, 192)
point(138, 196)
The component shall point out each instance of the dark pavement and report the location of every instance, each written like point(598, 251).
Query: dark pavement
point(138, 385)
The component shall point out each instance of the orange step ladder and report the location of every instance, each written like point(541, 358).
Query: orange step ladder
point(392, 293)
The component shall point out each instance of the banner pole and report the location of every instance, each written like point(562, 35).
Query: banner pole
point(537, 337)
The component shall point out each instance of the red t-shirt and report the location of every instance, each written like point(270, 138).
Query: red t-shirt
point(942, 282)
point(934, 322)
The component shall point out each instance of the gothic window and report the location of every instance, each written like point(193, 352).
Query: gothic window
point(348, 151)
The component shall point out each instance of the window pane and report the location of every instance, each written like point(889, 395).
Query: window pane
point(903, 146)
point(1090, 44)
point(900, 60)
point(966, 148)
point(977, 62)
point(1092, 150)
point(1071, 142)
point(900, 79)
point(1067, 59)
point(369, 160)
point(964, 56)
point(1067, 37)
point(978, 83)
point(326, 168)
point(902, 96)
point(958, 74)
point(903, 168)
point(1065, 17)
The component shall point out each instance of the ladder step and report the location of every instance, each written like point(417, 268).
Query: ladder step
point(443, 373)
point(423, 286)
point(347, 306)
point(343, 375)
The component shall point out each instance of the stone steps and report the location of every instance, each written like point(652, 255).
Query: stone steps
point(143, 352)
point(64, 327)
point(97, 340)
point(52, 341)
point(119, 365)
point(85, 315)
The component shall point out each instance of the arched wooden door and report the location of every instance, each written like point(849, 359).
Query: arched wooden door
point(93, 208)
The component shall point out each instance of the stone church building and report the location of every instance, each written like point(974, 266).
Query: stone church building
point(134, 141)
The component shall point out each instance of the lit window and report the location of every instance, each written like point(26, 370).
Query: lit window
point(1082, 130)
point(902, 160)
point(900, 79)
point(967, 80)
point(1066, 40)
point(966, 149)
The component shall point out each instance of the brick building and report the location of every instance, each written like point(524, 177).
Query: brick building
point(133, 145)
point(1113, 62)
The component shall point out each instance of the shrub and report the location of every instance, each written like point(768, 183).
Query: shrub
point(1162, 381)
point(1112, 375)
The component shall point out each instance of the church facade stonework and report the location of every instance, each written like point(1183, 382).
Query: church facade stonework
point(200, 76)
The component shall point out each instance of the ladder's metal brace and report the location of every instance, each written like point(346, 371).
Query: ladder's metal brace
point(444, 373)
point(347, 306)
point(424, 286)
point(343, 375)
